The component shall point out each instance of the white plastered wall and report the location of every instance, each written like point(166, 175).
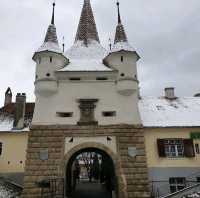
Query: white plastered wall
point(65, 100)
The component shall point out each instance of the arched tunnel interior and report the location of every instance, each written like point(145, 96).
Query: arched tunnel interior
point(90, 173)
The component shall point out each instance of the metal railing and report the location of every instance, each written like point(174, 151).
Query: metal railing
point(164, 189)
point(52, 188)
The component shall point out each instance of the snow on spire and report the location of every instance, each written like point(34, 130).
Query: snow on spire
point(87, 27)
point(51, 35)
point(121, 41)
point(120, 35)
point(51, 40)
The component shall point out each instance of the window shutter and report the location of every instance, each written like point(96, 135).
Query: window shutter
point(188, 148)
point(161, 147)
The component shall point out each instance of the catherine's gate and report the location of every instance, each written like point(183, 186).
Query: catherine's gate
point(86, 138)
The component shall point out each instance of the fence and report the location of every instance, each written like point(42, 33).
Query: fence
point(52, 188)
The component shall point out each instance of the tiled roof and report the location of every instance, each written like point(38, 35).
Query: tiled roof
point(10, 109)
point(51, 39)
point(51, 35)
point(87, 27)
point(120, 35)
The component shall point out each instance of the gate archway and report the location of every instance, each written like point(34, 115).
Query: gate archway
point(105, 183)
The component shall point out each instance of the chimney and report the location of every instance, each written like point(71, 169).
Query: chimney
point(169, 93)
point(19, 111)
point(8, 97)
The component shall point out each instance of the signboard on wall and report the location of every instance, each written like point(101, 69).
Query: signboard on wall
point(195, 135)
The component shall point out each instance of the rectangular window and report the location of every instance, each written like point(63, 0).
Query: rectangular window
point(197, 149)
point(64, 114)
point(198, 179)
point(177, 183)
point(75, 79)
point(101, 78)
point(174, 148)
point(109, 113)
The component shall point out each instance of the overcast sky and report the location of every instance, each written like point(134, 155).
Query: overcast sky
point(166, 34)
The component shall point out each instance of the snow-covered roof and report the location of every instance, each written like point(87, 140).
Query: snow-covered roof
point(155, 112)
point(50, 46)
point(7, 117)
point(6, 125)
point(86, 57)
point(160, 112)
point(122, 46)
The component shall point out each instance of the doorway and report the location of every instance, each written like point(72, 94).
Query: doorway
point(90, 173)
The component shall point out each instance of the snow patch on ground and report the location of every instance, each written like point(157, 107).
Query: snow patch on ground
point(7, 193)
point(193, 195)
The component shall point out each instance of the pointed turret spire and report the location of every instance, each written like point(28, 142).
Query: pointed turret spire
point(119, 17)
point(87, 27)
point(51, 35)
point(120, 35)
point(53, 13)
point(51, 39)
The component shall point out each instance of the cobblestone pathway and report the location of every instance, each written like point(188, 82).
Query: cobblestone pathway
point(90, 190)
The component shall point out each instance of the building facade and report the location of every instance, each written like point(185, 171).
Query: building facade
point(15, 119)
point(87, 98)
point(83, 99)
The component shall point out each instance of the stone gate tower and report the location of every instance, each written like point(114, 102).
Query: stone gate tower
point(86, 98)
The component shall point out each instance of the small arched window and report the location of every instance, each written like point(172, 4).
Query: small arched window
point(39, 60)
point(122, 59)
point(51, 59)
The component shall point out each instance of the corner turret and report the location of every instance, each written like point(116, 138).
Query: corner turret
point(49, 58)
point(123, 57)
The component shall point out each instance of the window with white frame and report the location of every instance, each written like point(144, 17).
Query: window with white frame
point(177, 183)
point(174, 148)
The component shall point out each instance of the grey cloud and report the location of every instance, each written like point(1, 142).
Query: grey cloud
point(165, 34)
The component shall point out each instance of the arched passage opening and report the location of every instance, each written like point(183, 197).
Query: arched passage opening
point(90, 173)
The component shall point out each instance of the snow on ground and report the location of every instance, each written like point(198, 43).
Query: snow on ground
point(7, 193)
point(86, 58)
point(193, 195)
point(160, 112)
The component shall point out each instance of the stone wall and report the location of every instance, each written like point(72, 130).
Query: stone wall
point(131, 172)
